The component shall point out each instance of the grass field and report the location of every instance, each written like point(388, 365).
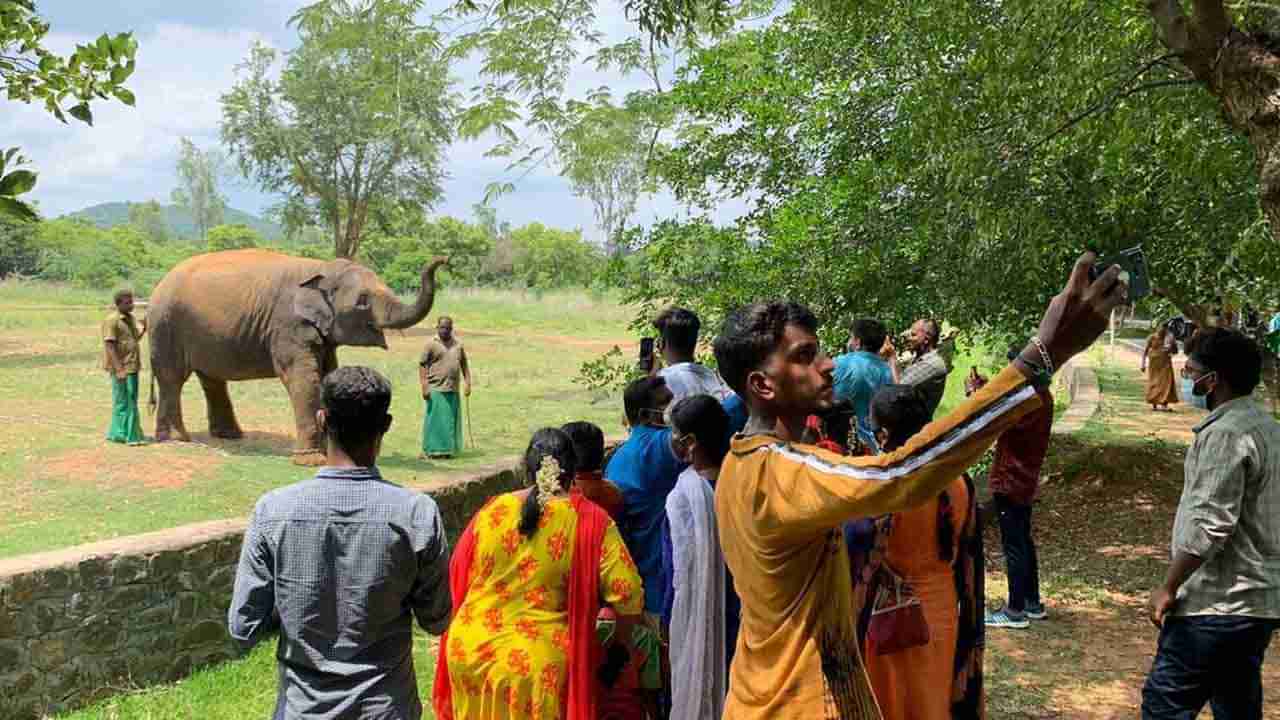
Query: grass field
point(61, 484)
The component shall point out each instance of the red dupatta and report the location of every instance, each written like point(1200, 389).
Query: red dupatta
point(584, 605)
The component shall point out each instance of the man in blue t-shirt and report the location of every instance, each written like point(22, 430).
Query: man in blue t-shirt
point(645, 468)
point(861, 372)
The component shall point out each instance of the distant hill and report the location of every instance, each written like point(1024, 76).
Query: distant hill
point(106, 215)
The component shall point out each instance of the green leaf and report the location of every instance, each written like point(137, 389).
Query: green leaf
point(82, 113)
point(124, 96)
point(17, 183)
point(17, 208)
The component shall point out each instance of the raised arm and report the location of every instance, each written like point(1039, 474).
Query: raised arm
point(817, 490)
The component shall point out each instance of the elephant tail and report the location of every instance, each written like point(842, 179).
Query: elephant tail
point(151, 402)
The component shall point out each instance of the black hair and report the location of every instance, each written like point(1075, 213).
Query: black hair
point(356, 400)
point(641, 394)
point(901, 410)
point(704, 418)
point(751, 334)
point(121, 294)
point(1233, 355)
point(588, 445)
point(1014, 351)
point(933, 328)
point(871, 333)
point(545, 442)
point(679, 329)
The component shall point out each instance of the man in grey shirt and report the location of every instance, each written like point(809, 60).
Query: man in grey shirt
point(1220, 601)
point(928, 371)
point(338, 564)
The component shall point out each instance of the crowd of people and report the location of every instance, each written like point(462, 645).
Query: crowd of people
point(791, 536)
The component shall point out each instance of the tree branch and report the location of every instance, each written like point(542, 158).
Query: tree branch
point(1106, 104)
point(1172, 24)
point(1211, 19)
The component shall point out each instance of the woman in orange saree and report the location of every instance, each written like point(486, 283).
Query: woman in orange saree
point(936, 550)
point(1157, 361)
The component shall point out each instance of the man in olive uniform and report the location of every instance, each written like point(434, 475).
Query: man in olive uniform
point(122, 358)
point(443, 362)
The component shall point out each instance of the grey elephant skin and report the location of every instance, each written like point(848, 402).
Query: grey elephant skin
point(253, 315)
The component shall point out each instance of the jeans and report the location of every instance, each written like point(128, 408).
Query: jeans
point(1019, 553)
point(1208, 658)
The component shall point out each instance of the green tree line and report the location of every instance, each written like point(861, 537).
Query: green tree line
point(139, 253)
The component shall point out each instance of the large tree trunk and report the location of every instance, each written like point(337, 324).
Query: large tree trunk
point(1239, 70)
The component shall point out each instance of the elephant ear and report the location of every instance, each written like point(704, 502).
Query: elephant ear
point(313, 304)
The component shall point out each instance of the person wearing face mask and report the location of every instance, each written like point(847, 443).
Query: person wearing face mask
point(695, 604)
point(1220, 601)
point(645, 468)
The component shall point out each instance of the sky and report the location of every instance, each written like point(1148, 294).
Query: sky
point(186, 59)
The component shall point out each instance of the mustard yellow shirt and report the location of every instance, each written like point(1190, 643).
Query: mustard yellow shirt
point(780, 506)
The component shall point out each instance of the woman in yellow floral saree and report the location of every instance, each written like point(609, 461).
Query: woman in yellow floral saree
point(528, 578)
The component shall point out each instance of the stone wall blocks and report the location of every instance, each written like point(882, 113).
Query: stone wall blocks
point(126, 569)
point(200, 557)
point(100, 634)
point(95, 573)
point(13, 656)
point(204, 632)
point(164, 564)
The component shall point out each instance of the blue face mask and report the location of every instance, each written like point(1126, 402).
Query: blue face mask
point(1189, 392)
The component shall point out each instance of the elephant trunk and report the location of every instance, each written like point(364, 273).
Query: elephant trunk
point(399, 316)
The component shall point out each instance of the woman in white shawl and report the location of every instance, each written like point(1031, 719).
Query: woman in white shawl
point(695, 565)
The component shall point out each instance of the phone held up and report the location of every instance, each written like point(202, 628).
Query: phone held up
point(646, 354)
point(1133, 270)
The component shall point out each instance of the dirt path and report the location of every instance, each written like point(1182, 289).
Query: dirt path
point(1103, 524)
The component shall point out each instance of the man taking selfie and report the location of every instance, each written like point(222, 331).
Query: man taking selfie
point(780, 504)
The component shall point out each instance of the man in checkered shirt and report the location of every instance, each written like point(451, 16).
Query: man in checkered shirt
point(340, 564)
point(1220, 601)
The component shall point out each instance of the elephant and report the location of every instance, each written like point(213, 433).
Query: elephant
point(254, 314)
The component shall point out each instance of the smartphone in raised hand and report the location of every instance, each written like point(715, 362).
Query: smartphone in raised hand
point(1133, 270)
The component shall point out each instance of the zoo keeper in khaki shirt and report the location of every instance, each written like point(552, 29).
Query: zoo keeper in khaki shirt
point(443, 361)
point(122, 359)
point(780, 503)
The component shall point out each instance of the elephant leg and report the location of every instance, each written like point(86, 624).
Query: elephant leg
point(222, 416)
point(302, 381)
point(169, 423)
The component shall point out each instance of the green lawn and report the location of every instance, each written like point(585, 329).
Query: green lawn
point(235, 690)
point(62, 485)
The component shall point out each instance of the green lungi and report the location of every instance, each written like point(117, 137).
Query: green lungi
point(126, 423)
point(442, 427)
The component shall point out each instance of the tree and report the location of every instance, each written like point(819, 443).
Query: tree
point(1234, 53)
point(551, 258)
point(199, 172)
point(605, 153)
point(149, 218)
point(30, 73)
point(233, 237)
point(359, 116)
point(949, 163)
point(18, 251)
point(530, 48)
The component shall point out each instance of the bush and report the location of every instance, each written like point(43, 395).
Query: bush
point(18, 251)
point(233, 237)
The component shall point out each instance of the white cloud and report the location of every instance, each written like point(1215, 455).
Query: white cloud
point(186, 61)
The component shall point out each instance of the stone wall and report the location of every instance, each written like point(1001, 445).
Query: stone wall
point(85, 622)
